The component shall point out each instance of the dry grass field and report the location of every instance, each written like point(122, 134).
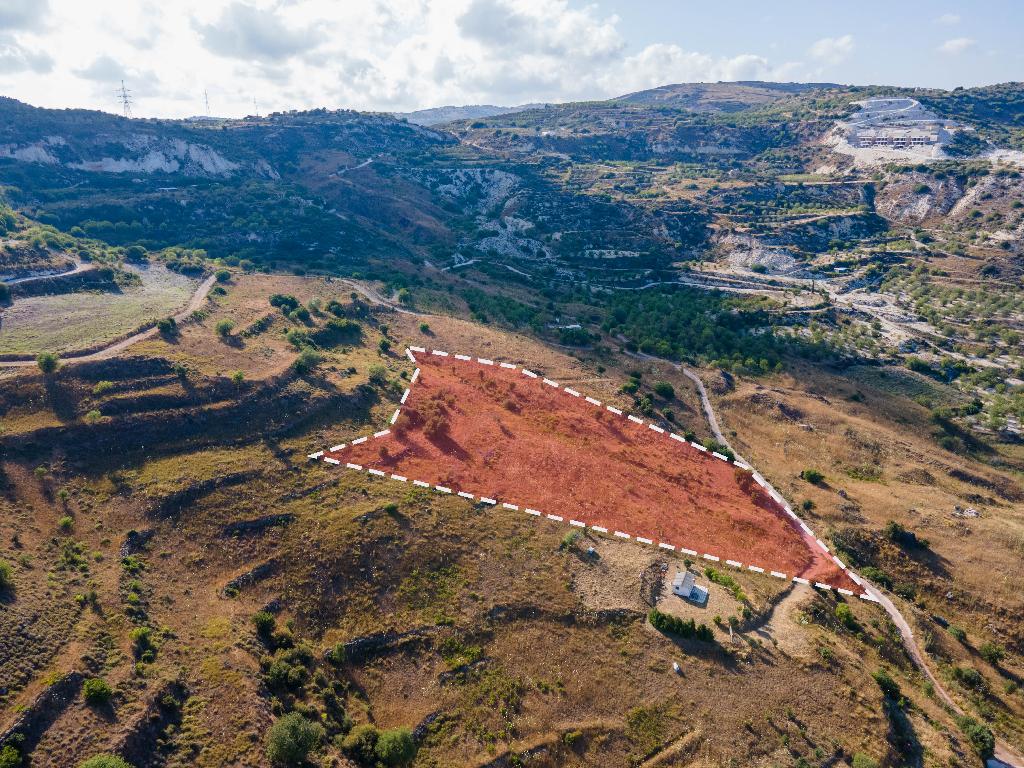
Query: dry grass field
point(65, 322)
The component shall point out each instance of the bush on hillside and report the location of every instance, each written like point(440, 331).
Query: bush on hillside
point(264, 622)
point(685, 628)
point(10, 757)
point(979, 735)
point(993, 653)
point(370, 747)
point(664, 390)
point(396, 747)
point(812, 476)
point(890, 688)
point(292, 739)
point(47, 362)
point(6, 576)
point(97, 691)
point(105, 761)
point(307, 360)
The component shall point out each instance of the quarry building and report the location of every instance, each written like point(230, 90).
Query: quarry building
point(896, 123)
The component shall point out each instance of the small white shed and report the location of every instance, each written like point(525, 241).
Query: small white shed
point(682, 584)
point(685, 587)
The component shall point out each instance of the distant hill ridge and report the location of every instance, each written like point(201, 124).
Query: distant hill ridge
point(451, 113)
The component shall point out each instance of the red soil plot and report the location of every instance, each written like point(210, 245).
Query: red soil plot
point(500, 435)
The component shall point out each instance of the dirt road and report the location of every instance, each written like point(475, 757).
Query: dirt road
point(79, 267)
point(107, 352)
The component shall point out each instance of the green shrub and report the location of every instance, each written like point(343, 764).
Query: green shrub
point(685, 628)
point(264, 622)
point(396, 747)
point(958, 633)
point(339, 330)
point(424, 328)
point(717, 447)
point(993, 653)
point(727, 581)
point(97, 691)
point(664, 390)
point(6, 576)
point(292, 739)
point(102, 387)
point(901, 537)
point(222, 275)
point(378, 375)
point(105, 761)
point(361, 744)
point(860, 760)
point(384, 346)
point(845, 616)
point(167, 326)
point(307, 360)
point(10, 757)
point(5, 293)
point(224, 327)
point(877, 575)
point(66, 523)
point(812, 476)
point(890, 688)
point(47, 362)
point(297, 337)
point(970, 678)
point(979, 735)
point(92, 417)
point(299, 315)
point(142, 643)
point(285, 302)
point(337, 654)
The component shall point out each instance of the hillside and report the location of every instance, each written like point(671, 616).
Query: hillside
point(222, 305)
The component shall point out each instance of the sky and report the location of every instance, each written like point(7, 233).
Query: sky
point(400, 55)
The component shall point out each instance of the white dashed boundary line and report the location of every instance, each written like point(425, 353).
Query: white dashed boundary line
point(320, 455)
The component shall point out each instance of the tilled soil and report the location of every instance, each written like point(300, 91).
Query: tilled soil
point(496, 433)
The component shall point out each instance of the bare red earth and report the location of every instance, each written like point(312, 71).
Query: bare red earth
point(496, 433)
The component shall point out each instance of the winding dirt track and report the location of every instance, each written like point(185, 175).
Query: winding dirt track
point(117, 347)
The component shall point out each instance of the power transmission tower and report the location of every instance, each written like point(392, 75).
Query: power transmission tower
point(206, 98)
point(255, 108)
point(125, 97)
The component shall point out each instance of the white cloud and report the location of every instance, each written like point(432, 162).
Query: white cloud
point(957, 45)
point(948, 19)
point(832, 50)
point(23, 14)
point(16, 58)
point(251, 33)
point(384, 55)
